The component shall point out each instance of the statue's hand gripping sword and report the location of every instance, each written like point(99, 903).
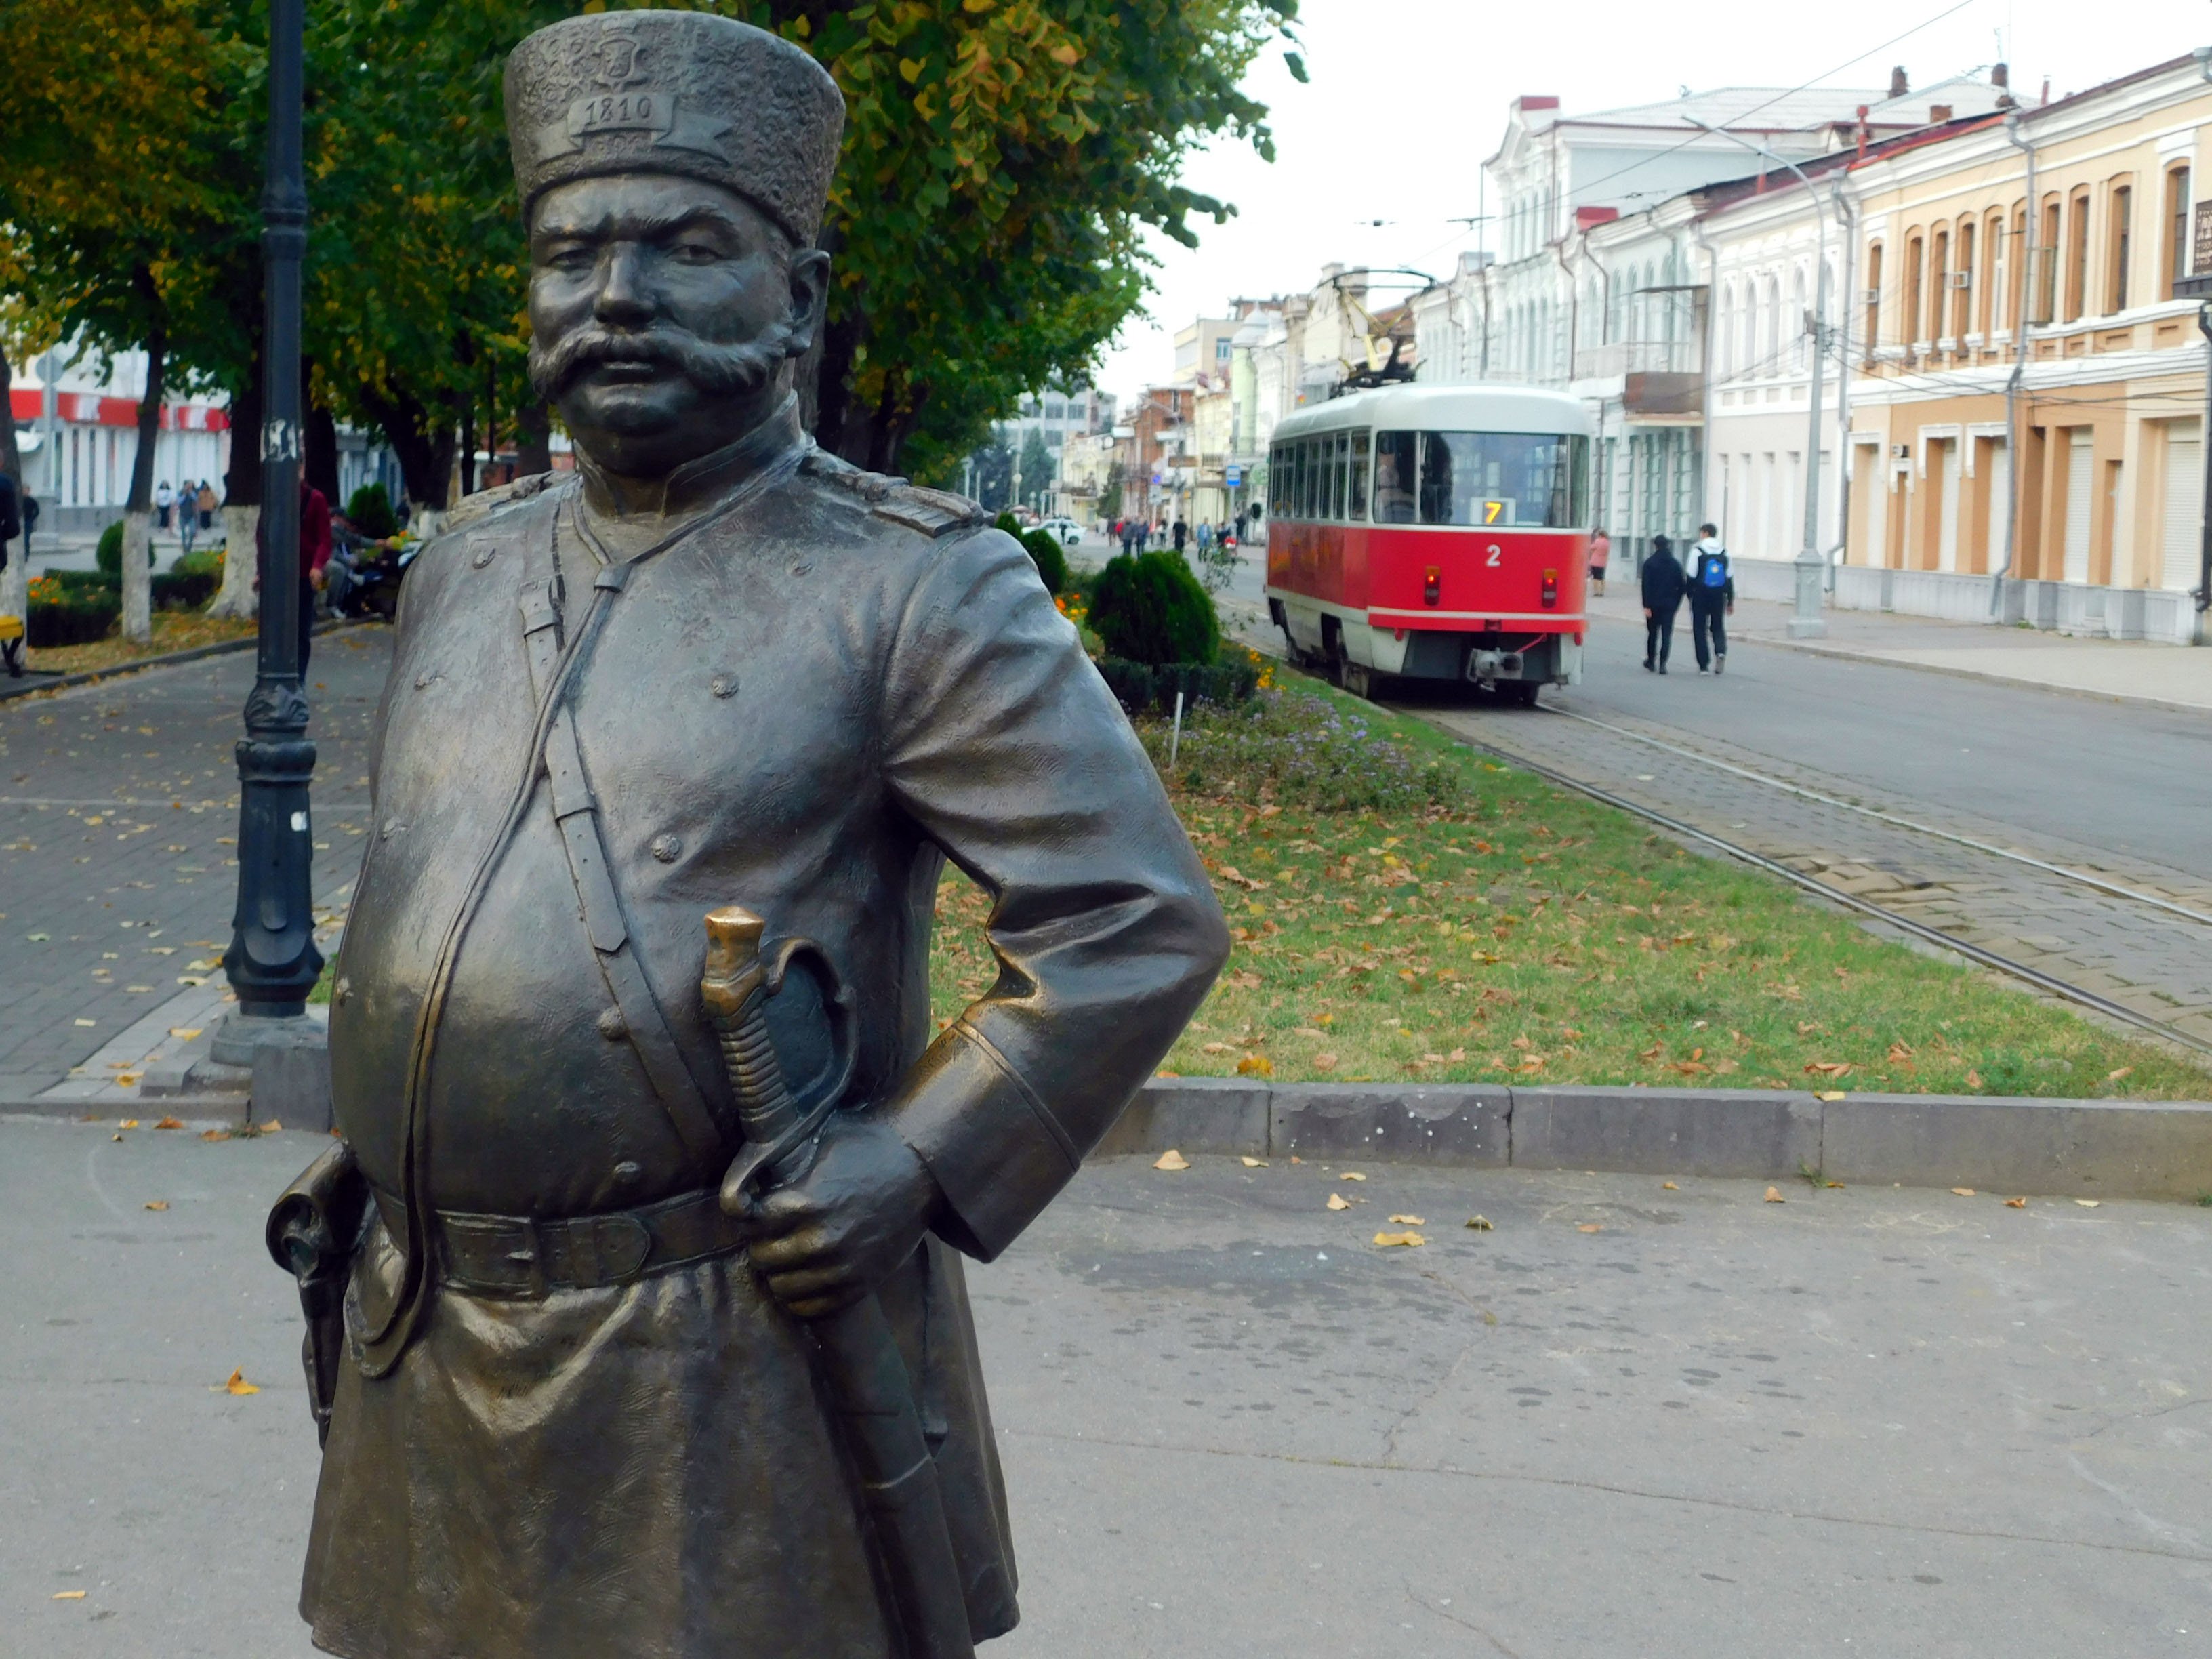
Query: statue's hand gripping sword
point(873, 1395)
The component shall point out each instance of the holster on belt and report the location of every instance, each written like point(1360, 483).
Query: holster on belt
point(313, 1232)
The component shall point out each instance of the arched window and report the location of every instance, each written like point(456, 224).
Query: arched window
point(1747, 359)
point(1723, 340)
point(1793, 325)
point(1873, 324)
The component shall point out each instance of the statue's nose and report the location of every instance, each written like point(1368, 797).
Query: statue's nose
point(624, 296)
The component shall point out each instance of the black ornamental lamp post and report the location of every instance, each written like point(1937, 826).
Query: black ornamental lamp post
point(272, 961)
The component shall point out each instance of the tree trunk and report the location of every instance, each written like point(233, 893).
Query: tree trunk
point(16, 579)
point(533, 447)
point(425, 448)
point(138, 510)
point(241, 501)
point(319, 441)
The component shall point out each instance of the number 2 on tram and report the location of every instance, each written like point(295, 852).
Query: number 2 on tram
point(1434, 532)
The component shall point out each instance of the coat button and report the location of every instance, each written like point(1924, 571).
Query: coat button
point(626, 1172)
point(667, 848)
point(612, 1026)
point(723, 685)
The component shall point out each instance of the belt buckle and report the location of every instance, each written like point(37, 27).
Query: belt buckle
point(531, 1256)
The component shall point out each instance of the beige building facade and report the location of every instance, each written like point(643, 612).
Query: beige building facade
point(2029, 393)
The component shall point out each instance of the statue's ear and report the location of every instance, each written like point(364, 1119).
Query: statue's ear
point(810, 299)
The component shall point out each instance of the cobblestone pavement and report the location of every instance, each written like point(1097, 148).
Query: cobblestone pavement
point(2149, 960)
point(119, 818)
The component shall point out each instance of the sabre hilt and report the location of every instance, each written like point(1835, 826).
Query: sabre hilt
point(738, 980)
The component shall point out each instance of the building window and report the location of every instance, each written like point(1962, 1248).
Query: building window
point(1993, 272)
point(2046, 265)
point(1962, 298)
point(1873, 297)
point(1911, 331)
point(2176, 262)
point(2077, 258)
point(1939, 287)
point(2116, 280)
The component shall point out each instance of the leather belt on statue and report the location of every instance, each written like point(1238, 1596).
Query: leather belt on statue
point(506, 1256)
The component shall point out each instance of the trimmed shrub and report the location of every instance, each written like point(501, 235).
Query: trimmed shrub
point(189, 583)
point(370, 509)
point(1042, 547)
point(70, 612)
point(1148, 608)
point(1144, 688)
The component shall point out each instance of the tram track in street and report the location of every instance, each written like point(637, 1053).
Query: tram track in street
point(2050, 983)
point(2113, 889)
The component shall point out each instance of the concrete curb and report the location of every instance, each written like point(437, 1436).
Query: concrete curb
point(30, 685)
point(2071, 1148)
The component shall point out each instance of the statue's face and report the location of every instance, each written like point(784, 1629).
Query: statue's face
point(662, 313)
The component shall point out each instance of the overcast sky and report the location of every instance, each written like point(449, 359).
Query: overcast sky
point(1408, 96)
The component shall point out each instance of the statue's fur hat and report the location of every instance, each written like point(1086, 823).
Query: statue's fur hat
point(682, 92)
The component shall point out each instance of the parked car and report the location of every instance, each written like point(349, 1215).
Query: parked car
point(1069, 531)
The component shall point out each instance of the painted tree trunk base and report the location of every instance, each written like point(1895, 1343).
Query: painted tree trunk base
point(238, 597)
point(138, 576)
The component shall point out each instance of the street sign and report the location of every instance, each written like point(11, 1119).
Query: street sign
point(1236, 477)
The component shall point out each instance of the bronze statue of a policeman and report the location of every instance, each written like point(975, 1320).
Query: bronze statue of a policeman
point(576, 1401)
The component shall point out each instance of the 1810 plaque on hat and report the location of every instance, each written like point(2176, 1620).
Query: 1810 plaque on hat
point(637, 1320)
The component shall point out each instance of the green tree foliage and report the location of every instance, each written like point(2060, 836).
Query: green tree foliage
point(1037, 470)
point(1002, 160)
point(1149, 609)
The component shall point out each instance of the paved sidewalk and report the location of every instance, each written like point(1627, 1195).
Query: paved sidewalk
point(118, 815)
point(1629, 1423)
point(2172, 676)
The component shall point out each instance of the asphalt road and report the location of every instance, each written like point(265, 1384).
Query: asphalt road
point(1629, 1421)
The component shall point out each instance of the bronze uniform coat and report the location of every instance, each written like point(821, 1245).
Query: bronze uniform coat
point(803, 707)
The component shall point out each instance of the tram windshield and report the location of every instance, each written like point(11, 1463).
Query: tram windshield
point(1510, 479)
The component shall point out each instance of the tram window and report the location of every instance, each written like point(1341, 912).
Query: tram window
point(1394, 477)
point(1523, 479)
point(1338, 448)
point(1357, 509)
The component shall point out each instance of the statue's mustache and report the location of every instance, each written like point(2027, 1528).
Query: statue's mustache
point(714, 368)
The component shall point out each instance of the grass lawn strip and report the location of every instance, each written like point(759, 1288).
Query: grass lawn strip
point(174, 630)
point(1520, 932)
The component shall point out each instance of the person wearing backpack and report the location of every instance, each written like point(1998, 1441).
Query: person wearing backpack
point(1712, 596)
point(1661, 580)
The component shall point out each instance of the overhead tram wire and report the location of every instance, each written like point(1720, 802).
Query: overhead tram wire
point(1661, 156)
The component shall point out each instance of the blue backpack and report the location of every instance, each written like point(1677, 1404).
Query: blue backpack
point(1712, 569)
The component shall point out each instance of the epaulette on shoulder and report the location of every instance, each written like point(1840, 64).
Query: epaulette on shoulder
point(933, 512)
point(485, 502)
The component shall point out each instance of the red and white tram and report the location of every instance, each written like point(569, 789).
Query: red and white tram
point(1435, 533)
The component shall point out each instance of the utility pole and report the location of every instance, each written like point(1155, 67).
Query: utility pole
point(1807, 623)
point(272, 961)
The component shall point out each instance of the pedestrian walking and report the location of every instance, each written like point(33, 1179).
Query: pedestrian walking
point(1662, 597)
point(1205, 537)
point(188, 518)
point(164, 501)
point(1712, 596)
point(1126, 530)
point(1601, 549)
point(1182, 535)
point(205, 502)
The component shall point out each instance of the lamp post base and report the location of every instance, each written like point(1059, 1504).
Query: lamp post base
point(1809, 623)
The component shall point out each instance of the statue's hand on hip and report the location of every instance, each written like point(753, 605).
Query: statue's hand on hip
point(826, 1240)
